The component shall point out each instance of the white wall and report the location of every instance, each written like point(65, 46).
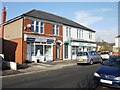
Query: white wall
point(74, 34)
point(117, 42)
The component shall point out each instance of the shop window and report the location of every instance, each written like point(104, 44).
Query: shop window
point(48, 50)
point(39, 50)
point(32, 50)
point(73, 50)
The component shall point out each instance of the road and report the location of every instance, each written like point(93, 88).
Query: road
point(78, 76)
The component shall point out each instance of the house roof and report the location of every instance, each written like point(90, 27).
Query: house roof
point(55, 18)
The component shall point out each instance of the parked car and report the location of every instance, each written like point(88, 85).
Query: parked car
point(2, 62)
point(89, 57)
point(105, 55)
point(109, 72)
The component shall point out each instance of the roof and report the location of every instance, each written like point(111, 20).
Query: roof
point(55, 18)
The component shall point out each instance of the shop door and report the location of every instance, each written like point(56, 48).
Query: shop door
point(58, 51)
point(66, 51)
point(29, 52)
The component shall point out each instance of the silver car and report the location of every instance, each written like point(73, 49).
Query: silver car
point(88, 57)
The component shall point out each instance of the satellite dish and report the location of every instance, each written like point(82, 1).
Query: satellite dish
point(29, 25)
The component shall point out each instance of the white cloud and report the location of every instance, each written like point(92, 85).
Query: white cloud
point(87, 18)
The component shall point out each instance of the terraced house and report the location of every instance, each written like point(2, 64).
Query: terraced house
point(40, 36)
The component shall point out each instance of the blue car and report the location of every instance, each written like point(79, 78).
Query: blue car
point(108, 73)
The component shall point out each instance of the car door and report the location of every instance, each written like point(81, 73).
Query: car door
point(97, 57)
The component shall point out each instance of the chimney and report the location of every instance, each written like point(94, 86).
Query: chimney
point(3, 15)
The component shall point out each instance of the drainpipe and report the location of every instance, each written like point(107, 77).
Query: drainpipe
point(3, 19)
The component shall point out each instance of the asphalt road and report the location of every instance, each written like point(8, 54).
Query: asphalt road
point(78, 76)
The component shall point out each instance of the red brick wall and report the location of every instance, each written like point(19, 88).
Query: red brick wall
point(24, 50)
point(13, 50)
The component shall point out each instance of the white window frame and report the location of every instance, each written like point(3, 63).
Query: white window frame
point(39, 27)
point(57, 28)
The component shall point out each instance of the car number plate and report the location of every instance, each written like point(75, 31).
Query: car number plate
point(105, 81)
point(81, 59)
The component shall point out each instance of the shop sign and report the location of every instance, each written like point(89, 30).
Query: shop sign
point(50, 40)
point(87, 44)
point(30, 39)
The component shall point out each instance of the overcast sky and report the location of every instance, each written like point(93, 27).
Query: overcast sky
point(99, 16)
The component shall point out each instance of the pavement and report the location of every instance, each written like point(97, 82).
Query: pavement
point(38, 67)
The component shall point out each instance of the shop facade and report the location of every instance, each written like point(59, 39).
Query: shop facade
point(77, 40)
point(39, 49)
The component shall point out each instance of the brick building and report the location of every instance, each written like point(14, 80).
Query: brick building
point(35, 36)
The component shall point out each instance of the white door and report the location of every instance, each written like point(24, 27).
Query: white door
point(29, 52)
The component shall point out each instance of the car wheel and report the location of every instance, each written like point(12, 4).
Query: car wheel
point(91, 62)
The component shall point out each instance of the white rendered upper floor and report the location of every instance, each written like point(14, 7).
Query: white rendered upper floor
point(73, 33)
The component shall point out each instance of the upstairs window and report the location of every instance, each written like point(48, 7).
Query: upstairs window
point(90, 35)
point(80, 34)
point(69, 32)
point(37, 27)
point(66, 31)
point(42, 27)
point(55, 29)
point(32, 26)
point(77, 34)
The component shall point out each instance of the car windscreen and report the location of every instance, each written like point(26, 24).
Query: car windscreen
point(82, 54)
point(113, 61)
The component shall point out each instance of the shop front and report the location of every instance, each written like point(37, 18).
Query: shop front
point(81, 46)
point(39, 49)
point(73, 48)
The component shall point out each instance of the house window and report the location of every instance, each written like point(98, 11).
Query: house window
point(90, 35)
point(80, 34)
point(41, 27)
point(55, 29)
point(32, 26)
point(77, 33)
point(37, 26)
point(69, 32)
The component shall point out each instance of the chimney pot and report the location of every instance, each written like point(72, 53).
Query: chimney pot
point(3, 14)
